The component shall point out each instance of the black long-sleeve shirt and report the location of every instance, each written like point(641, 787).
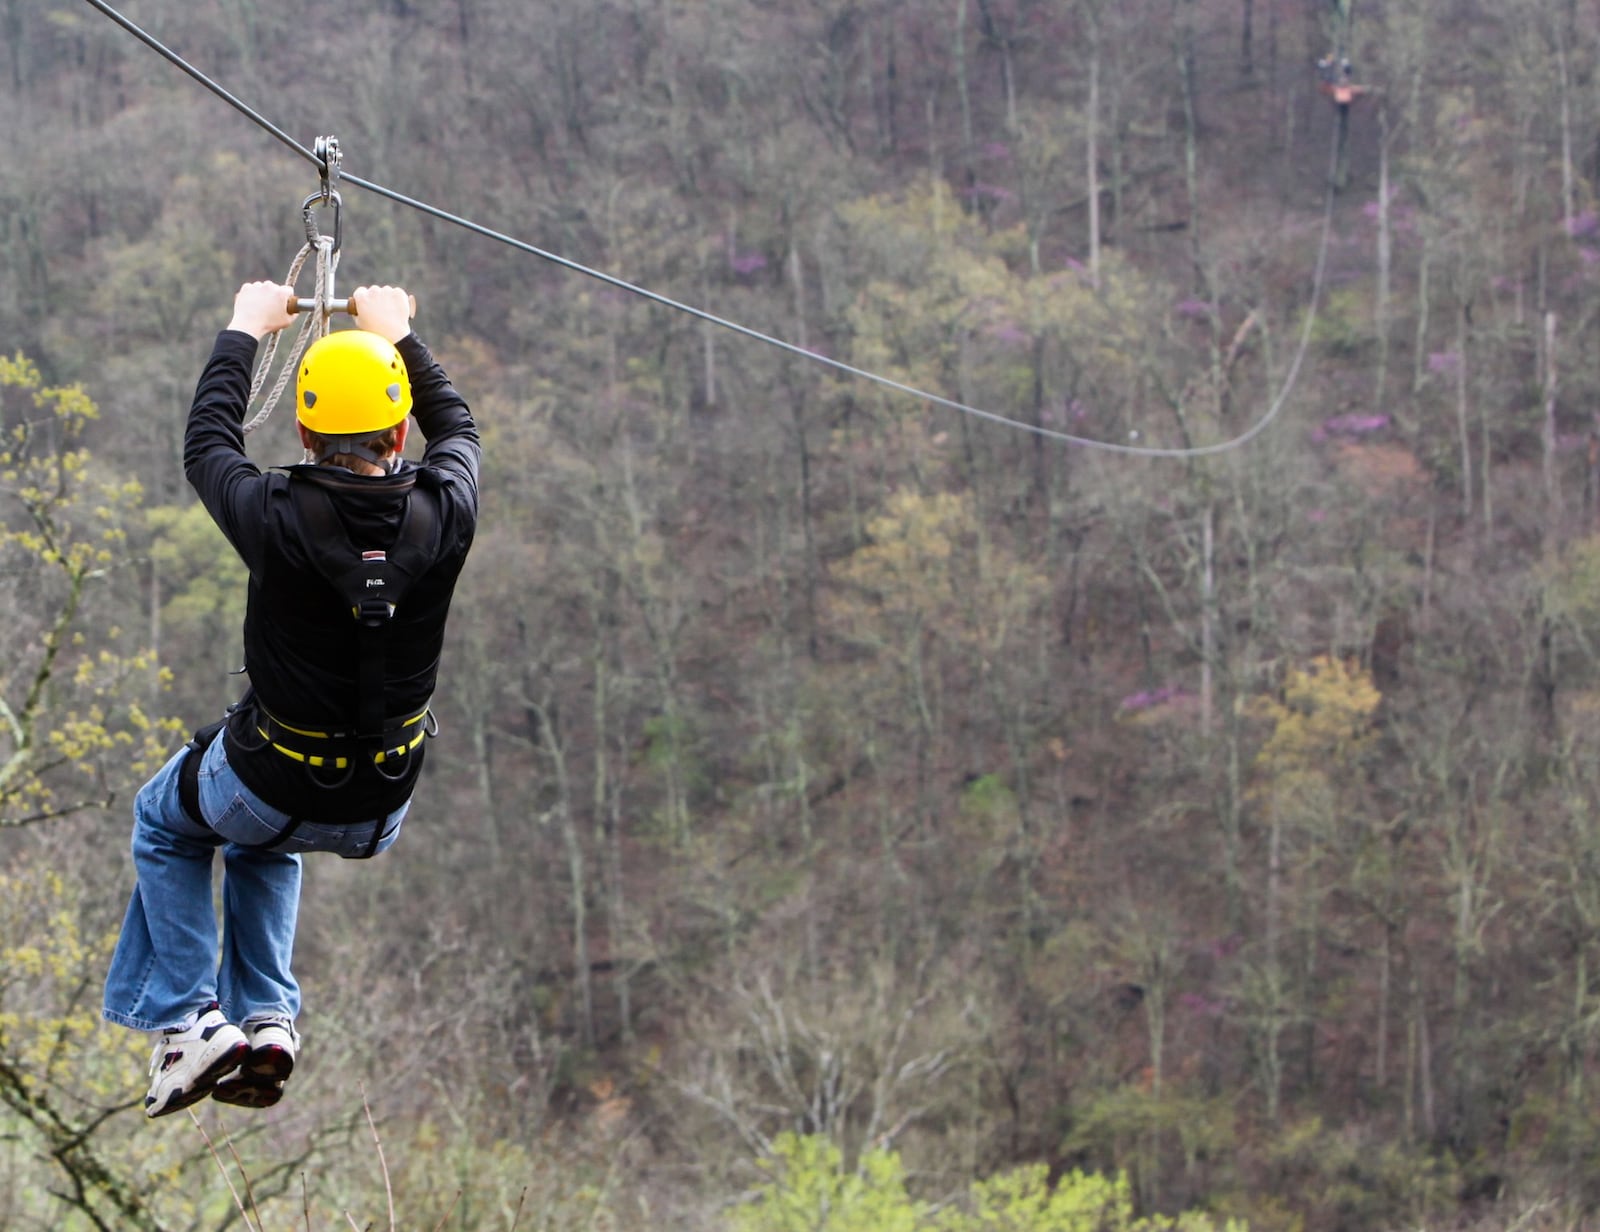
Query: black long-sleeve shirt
point(299, 637)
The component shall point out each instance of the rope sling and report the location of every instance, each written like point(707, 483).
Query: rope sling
point(322, 304)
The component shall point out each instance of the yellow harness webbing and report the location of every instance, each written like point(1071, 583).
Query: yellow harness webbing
point(406, 740)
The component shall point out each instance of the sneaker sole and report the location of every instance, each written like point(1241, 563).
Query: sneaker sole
point(204, 1084)
point(248, 1092)
point(259, 1082)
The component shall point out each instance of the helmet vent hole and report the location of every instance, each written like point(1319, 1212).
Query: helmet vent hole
point(311, 399)
point(394, 392)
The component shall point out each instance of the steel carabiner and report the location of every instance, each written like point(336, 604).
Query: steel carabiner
point(313, 235)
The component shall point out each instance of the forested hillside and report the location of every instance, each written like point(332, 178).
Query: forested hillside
point(842, 800)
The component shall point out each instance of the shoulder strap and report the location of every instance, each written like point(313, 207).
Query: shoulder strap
point(371, 580)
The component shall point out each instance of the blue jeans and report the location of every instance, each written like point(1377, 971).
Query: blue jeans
point(166, 967)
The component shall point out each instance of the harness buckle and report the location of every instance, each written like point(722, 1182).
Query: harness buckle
point(374, 611)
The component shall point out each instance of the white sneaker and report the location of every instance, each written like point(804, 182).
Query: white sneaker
point(274, 1044)
point(188, 1063)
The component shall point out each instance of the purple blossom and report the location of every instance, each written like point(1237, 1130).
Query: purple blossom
point(1571, 440)
point(1060, 416)
point(1009, 333)
point(1588, 256)
point(1193, 308)
point(1403, 219)
point(1146, 698)
point(1440, 362)
point(1316, 516)
point(994, 149)
point(1350, 425)
point(1202, 1006)
point(1375, 207)
point(746, 262)
point(1224, 947)
point(1582, 224)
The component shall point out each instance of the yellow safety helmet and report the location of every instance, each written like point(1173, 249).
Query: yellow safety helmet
point(352, 384)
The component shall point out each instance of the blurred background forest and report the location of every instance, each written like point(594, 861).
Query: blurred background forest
point(838, 794)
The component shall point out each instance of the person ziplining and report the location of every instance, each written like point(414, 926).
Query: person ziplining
point(353, 557)
point(1336, 78)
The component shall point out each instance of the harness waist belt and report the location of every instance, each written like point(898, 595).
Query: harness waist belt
point(335, 750)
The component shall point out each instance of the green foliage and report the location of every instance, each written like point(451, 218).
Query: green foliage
point(926, 567)
point(1321, 728)
point(808, 1189)
point(75, 710)
point(1025, 1200)
point(77, 733)
point(44, 956)
point(203, 577)
point(201, 581)
point(989, 797)
point(63, 1070)
point(1117, 1123)
point(1343, 327)
point(939, 307)
point(1573, 585)
point(1363, 1183)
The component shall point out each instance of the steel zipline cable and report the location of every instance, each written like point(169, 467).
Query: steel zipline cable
point(1143, 451)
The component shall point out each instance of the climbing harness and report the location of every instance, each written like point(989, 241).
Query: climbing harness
point(373, 582)
point(337, 750)
point(189, 796)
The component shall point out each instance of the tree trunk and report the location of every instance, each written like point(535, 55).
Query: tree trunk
point(1184, 50)
point(1380, 1076)
point(1568, 207)
point(1463, 438)
point(1272, 993)
point(605, 811)
point(962, 92)
point(1208, 615)
point(1385, 265)
point(1093, 159)
point(552, 745)
point(1419, 350)
point(1550, 527)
